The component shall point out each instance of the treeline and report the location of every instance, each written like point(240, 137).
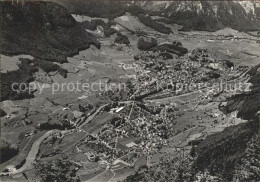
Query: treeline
point(221, 153)
point(171, 48)
point(144, 17)
point(111, 10)
point(24, 74)
point(60, 169)
point(2, 113)
point(50, 67)
point(146, 44)
point(7, 151)
point(122, 39)
point(93, 25)
point(148, 21)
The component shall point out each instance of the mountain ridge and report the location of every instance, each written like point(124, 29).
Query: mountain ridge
point(209, 15)
point(192, 15)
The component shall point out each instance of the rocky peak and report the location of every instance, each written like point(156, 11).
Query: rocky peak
point(209, 15)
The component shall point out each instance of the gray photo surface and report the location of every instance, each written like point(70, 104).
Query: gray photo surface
point(129, 91)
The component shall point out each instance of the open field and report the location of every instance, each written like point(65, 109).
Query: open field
point(9, 63)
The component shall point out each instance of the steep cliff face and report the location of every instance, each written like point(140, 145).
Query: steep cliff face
point(209, 15)
point(44, 30)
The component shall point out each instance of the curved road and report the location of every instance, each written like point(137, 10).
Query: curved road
point(31, 155)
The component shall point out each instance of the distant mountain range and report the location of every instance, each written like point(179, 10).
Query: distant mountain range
point(192, 15)
point(208, 15)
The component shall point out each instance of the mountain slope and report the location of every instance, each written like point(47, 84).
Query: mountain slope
point(44, 30)
point(234, 153)
point(221, 153)
point(192, 15)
